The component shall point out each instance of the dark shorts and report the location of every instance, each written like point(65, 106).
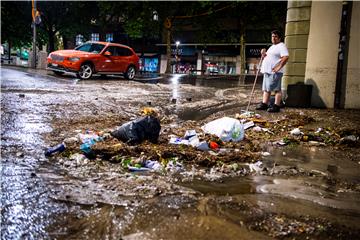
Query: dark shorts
point(272, 82)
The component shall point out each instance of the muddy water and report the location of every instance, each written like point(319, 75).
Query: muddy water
point(61, 199)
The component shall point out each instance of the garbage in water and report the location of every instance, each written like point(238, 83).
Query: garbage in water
point(56, 149)
point(255, 167)
point(139, 130)
point(227, 129)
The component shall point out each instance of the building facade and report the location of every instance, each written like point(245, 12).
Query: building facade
point(324, 45)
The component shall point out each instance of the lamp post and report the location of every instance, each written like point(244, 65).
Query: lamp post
point(33, 63)
point(177, 56)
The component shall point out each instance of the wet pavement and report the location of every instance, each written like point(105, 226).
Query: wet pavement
point(57, 198)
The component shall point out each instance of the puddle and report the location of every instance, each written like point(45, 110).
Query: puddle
point(218, 82)
point(230, 186)
point(196, 114)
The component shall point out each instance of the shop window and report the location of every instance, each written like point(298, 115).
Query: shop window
point(95, 37)
point(109, 37)
point(79, 39)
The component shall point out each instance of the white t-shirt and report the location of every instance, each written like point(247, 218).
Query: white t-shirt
point(273, 57)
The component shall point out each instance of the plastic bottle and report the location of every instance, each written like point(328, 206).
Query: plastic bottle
point(58, 148)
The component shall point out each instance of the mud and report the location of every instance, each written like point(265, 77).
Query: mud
point(306, 188)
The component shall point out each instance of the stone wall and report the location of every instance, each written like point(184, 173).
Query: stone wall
point(296, 40)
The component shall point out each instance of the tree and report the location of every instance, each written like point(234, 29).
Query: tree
point(257, 15)
point(174, 15)
point(65, 18)
point(16, 24)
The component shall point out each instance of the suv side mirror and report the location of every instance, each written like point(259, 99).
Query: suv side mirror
point(107, 53)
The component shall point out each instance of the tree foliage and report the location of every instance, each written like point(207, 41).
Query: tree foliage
point(66, 18)
point(16, 23)
point(193, 21)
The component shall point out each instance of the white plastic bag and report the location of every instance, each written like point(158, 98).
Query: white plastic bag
point(227, 129)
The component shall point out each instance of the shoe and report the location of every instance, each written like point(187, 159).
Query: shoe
point(262, 106)
point(274, 108)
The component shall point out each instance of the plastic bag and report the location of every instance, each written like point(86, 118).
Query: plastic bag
point(139, 130)
point(227, 129)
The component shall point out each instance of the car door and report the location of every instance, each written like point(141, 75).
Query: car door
point(109, 63)
point(124, 58)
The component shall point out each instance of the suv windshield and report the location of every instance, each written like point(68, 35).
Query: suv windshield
point(91, 47)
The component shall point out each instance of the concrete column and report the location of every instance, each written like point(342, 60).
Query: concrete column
point(199, 63)
point(353, 67)
point(296, 40)
point(238, 64)
point(163, 63)
point(322, 54)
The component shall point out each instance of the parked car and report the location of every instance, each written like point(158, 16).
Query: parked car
point(95, 57)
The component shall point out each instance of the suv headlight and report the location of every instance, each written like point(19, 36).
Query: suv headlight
point(74, 59)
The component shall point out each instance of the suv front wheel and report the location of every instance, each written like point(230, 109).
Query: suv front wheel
point(130, 73)
point(86, 71)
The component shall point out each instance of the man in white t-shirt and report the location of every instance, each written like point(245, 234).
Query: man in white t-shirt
point(274, 60)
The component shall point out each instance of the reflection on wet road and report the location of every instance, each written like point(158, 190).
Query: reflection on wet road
point(26, 209)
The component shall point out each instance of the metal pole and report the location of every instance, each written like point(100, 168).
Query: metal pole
point(34, 36)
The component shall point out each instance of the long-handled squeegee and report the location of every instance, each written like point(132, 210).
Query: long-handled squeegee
point(253, 88)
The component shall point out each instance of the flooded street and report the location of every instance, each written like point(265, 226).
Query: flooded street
point(301, 191)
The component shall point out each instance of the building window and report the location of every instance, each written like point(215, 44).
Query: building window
point(94, 37)
point(109, 37)
point(79, 39)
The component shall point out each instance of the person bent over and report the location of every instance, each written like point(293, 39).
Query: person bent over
point(274, 60)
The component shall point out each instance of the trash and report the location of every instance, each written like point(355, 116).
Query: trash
point(280, 143)
point(189, 134)
point(58, 148)
point(319, 130)
point(153, 165)
point(265, 154)
point(349, 139)
point(227, 129)
point(134, 132)
point(79, 158)
point(257, 129)
point(248, 125)
point(87, 136)
point(174, 166)
point(71, 140)
point(177, 140)
point(245, 114)
point(296, 132)
point(314, 143)
point(148, 111)
point(255, 167)
point(214, 145)
point(138, 169)
point(203, 146)
point(88, 140)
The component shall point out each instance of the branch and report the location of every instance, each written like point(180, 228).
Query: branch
point(204, 14)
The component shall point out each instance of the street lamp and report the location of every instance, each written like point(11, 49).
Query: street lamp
point(177, 43)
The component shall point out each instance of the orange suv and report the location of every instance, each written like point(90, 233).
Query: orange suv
point(95, 57)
